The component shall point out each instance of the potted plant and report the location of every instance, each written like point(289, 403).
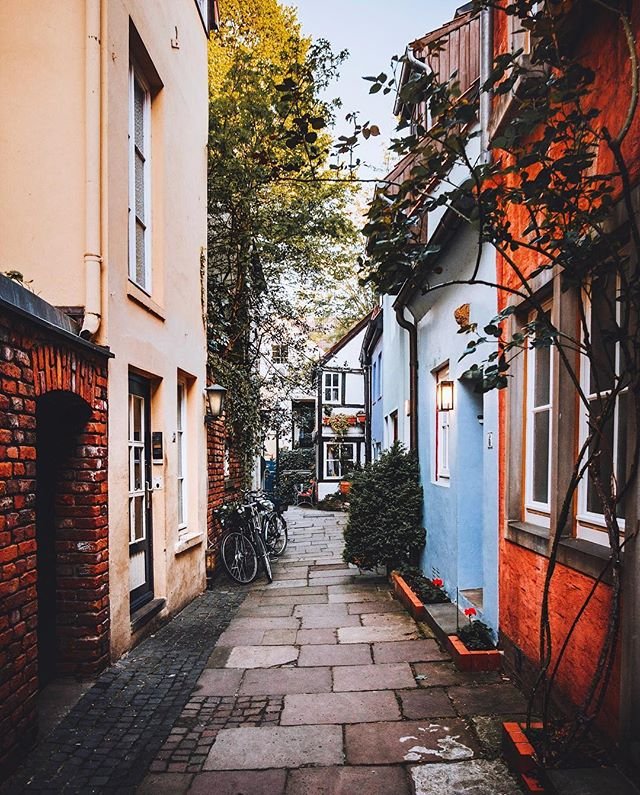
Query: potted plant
point(415, 590)
point(473, 648)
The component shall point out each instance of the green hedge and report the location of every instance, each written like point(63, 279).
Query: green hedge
point(385, 512)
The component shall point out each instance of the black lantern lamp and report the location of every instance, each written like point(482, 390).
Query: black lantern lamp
point(215, 401)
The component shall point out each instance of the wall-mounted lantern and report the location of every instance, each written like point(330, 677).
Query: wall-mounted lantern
point(215, 401)
point(444, 396)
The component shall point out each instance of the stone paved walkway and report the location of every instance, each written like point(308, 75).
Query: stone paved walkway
point(322, 685)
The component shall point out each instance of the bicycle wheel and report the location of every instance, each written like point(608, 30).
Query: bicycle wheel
point(263, 554)
point(276, 535)
point(239, 558)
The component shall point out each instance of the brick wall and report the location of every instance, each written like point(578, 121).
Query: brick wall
point(42, 374)
point(223, 487)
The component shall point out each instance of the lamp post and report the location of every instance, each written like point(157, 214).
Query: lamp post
point(215, 395)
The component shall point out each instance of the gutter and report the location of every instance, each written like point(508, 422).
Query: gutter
point(95, 11)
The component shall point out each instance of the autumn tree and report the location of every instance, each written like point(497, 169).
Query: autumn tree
point(275, 226)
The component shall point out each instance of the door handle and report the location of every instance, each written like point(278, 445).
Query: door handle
point(148, 492)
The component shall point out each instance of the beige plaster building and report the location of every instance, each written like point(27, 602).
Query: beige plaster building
point(103, 208)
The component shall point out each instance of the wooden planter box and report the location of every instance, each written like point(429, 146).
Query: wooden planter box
point(405, 595)
point(520, 756)
point(466, 660)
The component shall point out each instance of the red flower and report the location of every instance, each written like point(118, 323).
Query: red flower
point(470, 611)
point(437, 582)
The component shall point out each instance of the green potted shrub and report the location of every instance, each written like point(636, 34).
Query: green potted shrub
point(384, 527)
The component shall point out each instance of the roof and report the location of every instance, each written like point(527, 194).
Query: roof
point(353, 332)
point(17, 299)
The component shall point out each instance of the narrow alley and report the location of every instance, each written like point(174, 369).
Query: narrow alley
point(317, 683)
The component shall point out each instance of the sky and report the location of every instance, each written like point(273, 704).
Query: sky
point(372, 31)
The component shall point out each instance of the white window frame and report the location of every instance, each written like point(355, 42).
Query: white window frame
point(338, 460)
point(135, 75)
point(379, 394)
point(332, 381)
point(591, 526)
point(443, 433)
point(182, 459)
point(137, 493)
point(536, 512)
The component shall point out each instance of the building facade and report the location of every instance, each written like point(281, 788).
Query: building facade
point(103, 212)
point(340, 419)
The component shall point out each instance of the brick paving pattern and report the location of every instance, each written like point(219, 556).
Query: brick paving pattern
point(109, 739)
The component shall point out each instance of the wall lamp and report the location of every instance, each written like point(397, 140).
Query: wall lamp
point(215, 395)
point(444, 396)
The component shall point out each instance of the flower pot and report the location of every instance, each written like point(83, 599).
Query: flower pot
point(345, 486)
point(405, 595)
point(520, 756)
point(466, 660)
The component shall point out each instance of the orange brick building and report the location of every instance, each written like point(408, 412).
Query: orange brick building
point(536, 466)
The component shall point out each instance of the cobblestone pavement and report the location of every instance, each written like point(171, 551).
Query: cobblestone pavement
point(322, 685)
point(108, 740)
point(318, 684)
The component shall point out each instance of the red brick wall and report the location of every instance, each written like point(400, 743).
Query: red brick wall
point(222, 488)
point(521, 583)
point(598, 41)
point(35, 363)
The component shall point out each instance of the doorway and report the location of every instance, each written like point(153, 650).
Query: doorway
point(60, 418)
point(140, 517)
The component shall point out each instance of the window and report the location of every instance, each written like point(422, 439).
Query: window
point(539, 370)
point(393, 427)
point(139, 180)
point(599, 378)
point(181, 454)
point(340, 458)
point(137, 470)
point(442, 432)
point(332, 386)
point(379, 392)
point(374, 382)
point(279, 354)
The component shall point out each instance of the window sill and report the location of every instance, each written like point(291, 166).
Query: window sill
point(138, 296)
point(575, 553)
point(188, 542)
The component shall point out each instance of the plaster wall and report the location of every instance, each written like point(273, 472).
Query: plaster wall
point(377, 403)
point(395, 373)
point(460, 512)
point(160, 335)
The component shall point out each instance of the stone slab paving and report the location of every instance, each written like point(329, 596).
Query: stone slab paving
point(323, 684)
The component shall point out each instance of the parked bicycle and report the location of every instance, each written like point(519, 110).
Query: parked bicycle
point(255, 531)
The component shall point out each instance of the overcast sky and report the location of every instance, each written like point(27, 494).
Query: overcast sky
point(372, 31)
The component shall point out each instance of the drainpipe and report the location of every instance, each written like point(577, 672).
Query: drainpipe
point(409, 54)
point(92, 150)
point(486, 63)
point(413, 375)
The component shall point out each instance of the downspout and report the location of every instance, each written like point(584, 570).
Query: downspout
point(486, 63)
point(92, 151)
point(413, 375)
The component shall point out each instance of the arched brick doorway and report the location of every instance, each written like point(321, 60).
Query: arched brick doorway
point(61, 418)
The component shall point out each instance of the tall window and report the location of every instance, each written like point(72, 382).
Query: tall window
point(374, 382)
point(442, 432)
point(379, 392)
point(600, 377)
point(332, 383)
point(539, 368)
point(340, 458)
point(139, 180)
point(181, 452)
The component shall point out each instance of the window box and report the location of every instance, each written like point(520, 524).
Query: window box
point(466, 660)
